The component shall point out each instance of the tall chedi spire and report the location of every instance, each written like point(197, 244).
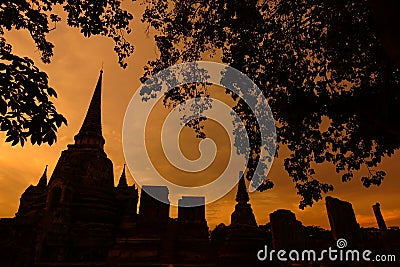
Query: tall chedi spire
point(241, 195)
point(91, 133)
point(43, 180)
point(243, 214)
point(244, 238)
point(122, 180)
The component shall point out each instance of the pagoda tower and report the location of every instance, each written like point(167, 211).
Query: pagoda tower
point(81, 209)
point(244, 237)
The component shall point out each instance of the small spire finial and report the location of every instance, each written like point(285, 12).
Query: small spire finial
point(242, 196)
point(122, 180)
point(43, 180)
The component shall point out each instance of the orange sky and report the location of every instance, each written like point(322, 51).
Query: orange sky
point(74, 72)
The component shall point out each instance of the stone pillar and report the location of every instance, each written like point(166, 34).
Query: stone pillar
point(191, 210)
point(151, 210)
point(146, 242)
point(342, 220)
point(192, 242)
point(379, 217)
point(287, 232)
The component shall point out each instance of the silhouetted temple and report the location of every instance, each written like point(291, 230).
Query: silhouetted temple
point(80, 218)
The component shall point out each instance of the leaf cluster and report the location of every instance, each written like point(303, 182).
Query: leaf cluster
point(332, 90)
point(26, 109)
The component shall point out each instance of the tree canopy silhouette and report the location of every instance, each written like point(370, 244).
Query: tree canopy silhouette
point(332, 90)
point(26, 109)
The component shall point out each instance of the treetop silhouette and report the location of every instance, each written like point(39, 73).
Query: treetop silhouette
point(26, 108)
point(332, 89)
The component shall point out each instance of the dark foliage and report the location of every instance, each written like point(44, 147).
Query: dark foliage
point(26, 109)
point(334, 96)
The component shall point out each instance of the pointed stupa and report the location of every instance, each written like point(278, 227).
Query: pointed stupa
point(242, 196)
point(122, 180)
point(43, 180)
point(91, 132)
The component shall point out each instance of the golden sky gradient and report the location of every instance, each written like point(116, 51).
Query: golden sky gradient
point(73, 73)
